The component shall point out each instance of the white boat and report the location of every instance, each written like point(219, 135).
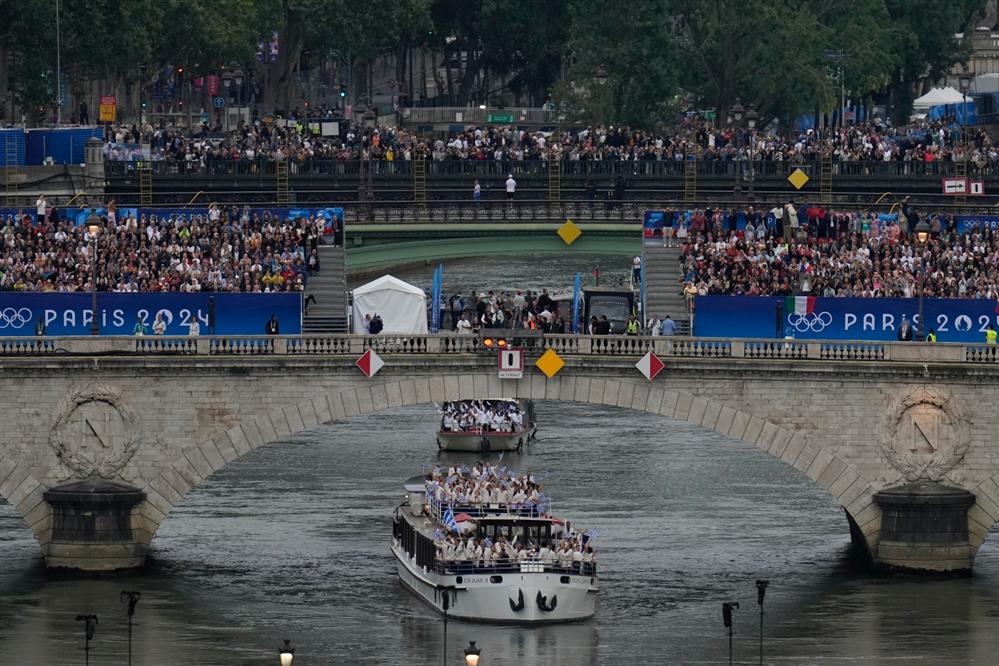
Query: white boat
point(481, 439)
point(514, 592)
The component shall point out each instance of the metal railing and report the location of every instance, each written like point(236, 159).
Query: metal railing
point(462, 115)
point(454, 168)
point(447, 344)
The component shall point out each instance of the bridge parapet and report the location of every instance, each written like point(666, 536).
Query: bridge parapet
point(450, 344)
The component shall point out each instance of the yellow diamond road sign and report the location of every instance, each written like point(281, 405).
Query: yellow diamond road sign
point(550, 363)
point(569, 232)
point(798, 178)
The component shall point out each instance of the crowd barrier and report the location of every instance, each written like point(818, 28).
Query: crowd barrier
point(651, 168)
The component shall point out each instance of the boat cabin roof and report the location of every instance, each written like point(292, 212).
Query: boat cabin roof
point(415, 484)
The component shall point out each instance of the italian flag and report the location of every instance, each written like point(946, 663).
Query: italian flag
point(799, 305)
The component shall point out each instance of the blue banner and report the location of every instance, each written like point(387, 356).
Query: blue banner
point(17, 214)
point(966, 223)
point(952, 319)
point(437, 306)
point(70, 313)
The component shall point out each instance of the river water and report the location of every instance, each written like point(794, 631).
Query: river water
point(292, 542)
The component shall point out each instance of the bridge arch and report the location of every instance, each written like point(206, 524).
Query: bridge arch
point(197, 462)
point(20, 488)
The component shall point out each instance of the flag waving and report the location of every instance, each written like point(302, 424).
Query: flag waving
point(799, 305)
point(449, 521)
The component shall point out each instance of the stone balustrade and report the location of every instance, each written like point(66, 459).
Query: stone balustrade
point(567, 345)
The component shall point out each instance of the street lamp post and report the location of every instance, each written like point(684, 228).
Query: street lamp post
point(94, 229)
point(752, 118)
point(472, 654)
point(727, 608)
point(600, 78)
point(287, 654)
point(370, 121)
point(89, 627)
point(446, 605)
point(964, 81)
point(132, 598)
point(922, 235)
point(736, 114)
point(761, 591)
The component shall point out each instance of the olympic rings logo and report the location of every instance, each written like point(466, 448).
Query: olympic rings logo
point(11, 318)
point(815, 322)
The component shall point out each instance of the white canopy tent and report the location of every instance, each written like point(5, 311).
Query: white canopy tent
point(939, 97)
point(402, 307)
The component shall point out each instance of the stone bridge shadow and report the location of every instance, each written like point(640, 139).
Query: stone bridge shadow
point(195, 463)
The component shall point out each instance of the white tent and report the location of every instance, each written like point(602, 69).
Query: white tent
point(402, 307)
point(939, 97)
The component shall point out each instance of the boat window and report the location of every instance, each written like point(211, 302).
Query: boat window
point(496, 579)
point(564, 580)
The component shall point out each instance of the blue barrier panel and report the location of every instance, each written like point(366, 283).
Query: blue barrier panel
point(953, 319)
point(735, 316)
point(70, 313)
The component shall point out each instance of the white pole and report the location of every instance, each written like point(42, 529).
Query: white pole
point(58, 70)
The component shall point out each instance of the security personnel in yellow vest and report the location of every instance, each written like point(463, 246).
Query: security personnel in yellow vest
point(990, 335)
point(931, 336)
point(632, 326)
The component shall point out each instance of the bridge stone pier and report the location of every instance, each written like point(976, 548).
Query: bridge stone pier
point(160, 415)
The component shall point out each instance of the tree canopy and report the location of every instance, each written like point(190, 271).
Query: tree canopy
point(641, 66)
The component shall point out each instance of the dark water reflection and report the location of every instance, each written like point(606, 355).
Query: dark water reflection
point(292, 542)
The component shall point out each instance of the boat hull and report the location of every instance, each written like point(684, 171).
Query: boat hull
point(476, 598)
point(478, 442)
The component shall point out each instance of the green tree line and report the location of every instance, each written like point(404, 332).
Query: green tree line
point(638, 63)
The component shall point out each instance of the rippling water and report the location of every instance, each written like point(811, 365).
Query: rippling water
point(292, 542)
point(507, 273)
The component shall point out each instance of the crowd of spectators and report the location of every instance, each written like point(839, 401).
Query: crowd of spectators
point(519, 310)
point(227, 249)
point(873, 141)
point(482, 416)
point(810, 251)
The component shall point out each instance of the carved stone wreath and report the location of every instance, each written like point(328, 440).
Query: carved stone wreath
point(115, 448)
point(924, 436)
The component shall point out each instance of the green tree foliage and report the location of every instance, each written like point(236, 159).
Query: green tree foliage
point(923, 43)
point(659, 56)
point(638, 54)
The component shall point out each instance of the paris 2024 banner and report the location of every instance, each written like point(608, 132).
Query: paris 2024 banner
point(821, 318)
point(71, 313)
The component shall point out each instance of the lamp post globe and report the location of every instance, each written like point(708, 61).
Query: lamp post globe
point(600, 76)
point(287, 654)
point(738, 111)
point(922, 232)
point(94, 229)
point(752, 117)
point(472, 654)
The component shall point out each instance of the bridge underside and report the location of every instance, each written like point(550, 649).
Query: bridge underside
point(381, 248)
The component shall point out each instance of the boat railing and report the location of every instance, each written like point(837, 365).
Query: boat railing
point(467, 568)
point(439, 508)
point(480, 430)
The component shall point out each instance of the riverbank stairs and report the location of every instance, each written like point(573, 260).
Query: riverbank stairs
point(663, 288)
point(329, 287)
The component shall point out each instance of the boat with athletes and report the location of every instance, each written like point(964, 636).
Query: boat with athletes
point(486, 425)
point(500, 563)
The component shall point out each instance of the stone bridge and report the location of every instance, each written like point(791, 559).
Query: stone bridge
point(162, 414)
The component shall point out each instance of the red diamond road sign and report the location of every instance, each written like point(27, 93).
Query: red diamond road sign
point(370, 363)
point(650, 366)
